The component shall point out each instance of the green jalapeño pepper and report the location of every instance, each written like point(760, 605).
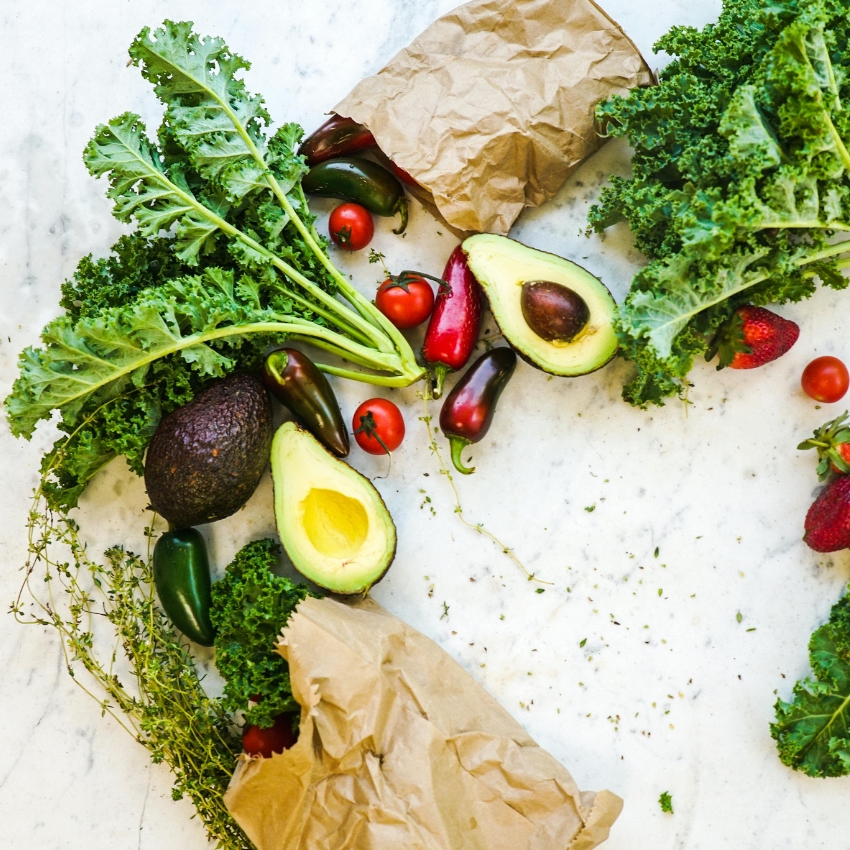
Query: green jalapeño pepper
point(360, 181)
point(293, 379)
point(468, 409)
point(181, 573)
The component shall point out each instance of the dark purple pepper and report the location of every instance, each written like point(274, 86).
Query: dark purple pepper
point(338, 136)
point(468, 409)
point(295, 381)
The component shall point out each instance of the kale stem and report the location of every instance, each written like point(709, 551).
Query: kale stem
point(379, 380)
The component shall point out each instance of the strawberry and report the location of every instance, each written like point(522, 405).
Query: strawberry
point(828, 519)
point(832, 441)
point(751, 337)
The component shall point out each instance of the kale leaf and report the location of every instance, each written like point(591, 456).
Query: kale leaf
point(250, 606)
point(741, 176)
point(224, 262)
point(813, 731)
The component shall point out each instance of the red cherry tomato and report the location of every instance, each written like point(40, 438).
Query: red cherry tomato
point(351, 227)
point(275, 739)
point(378, 426)
point(406, 301)
point(825, 379)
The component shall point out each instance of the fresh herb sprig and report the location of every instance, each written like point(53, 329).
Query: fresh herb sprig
point(165, 708)
point(741, 177)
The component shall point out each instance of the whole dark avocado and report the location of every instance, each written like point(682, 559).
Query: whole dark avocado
point(206, 458)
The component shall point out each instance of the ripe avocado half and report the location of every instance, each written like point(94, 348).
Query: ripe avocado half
point(502, 265)
point(206, 458)
point(331, 520)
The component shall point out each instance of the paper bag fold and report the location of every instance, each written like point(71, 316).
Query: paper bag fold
point(400, 749)
point(492, 107)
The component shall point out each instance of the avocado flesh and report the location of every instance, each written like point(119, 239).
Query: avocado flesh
point(502, 265)
point(331, 520)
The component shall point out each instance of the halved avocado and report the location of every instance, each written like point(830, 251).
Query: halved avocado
point(331, 520)
point(502, 265)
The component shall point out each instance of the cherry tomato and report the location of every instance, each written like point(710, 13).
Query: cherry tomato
point(351, 227)
point(406, 300)
point(378, 426)
point(275, 739)
point(402, 174)
point(825, 379)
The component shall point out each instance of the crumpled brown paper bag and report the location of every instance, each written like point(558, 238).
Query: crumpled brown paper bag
point(400, 749)
point(492, 107)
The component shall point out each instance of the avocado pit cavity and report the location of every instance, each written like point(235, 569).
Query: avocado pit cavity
point(336, 524)
point(554, 312)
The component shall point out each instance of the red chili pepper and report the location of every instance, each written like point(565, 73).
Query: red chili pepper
point(338, 136)
point(456, 320)
point(402, 174)
point(468, 409)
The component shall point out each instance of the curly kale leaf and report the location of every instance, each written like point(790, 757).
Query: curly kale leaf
point(813, 731)
point(740, 178)
point(250, 606)
point(114, 374)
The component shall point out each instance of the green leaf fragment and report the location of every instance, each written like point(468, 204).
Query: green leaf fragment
point(813, 730)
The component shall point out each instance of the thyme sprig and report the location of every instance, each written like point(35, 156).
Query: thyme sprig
point(165, 708)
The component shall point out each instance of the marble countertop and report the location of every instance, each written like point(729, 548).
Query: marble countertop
point(672, 690)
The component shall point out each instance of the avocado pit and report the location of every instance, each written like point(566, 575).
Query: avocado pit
point(554, 312)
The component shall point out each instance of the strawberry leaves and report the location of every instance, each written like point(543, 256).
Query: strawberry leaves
point(831, 441)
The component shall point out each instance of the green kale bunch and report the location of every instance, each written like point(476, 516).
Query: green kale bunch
point(224, 262)
point(250, 606)
point(813, 731)
point(740, 178)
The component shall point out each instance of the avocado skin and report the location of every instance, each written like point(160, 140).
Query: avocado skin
point(206, 458)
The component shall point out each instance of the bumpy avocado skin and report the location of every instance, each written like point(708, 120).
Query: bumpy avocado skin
point(207, 458)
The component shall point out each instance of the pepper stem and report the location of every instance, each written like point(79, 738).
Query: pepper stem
point(458, 444)
point(440, 372)
point(401, 207)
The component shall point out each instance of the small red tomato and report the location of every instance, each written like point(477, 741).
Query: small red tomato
point(275, 739)
point(402, 174)
point(406, 300)
point(825, 379)
point(351, 227)
point(378, 426)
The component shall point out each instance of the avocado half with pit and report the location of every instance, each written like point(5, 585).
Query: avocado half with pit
point(558, 316)
point(331, 520)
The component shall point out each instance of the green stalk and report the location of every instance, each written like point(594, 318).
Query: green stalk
point(376, 360)
point(325, 314)
point(379, 380)
point(364, 307)
point(361, 305)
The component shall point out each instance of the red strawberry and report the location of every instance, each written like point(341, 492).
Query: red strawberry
point(751, 337)
point(828, 519)
point(832, 441)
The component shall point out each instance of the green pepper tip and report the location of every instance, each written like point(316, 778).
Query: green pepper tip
point(401, 207)
point(458, 444)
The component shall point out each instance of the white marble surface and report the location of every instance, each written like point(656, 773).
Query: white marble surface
point(670, 692)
